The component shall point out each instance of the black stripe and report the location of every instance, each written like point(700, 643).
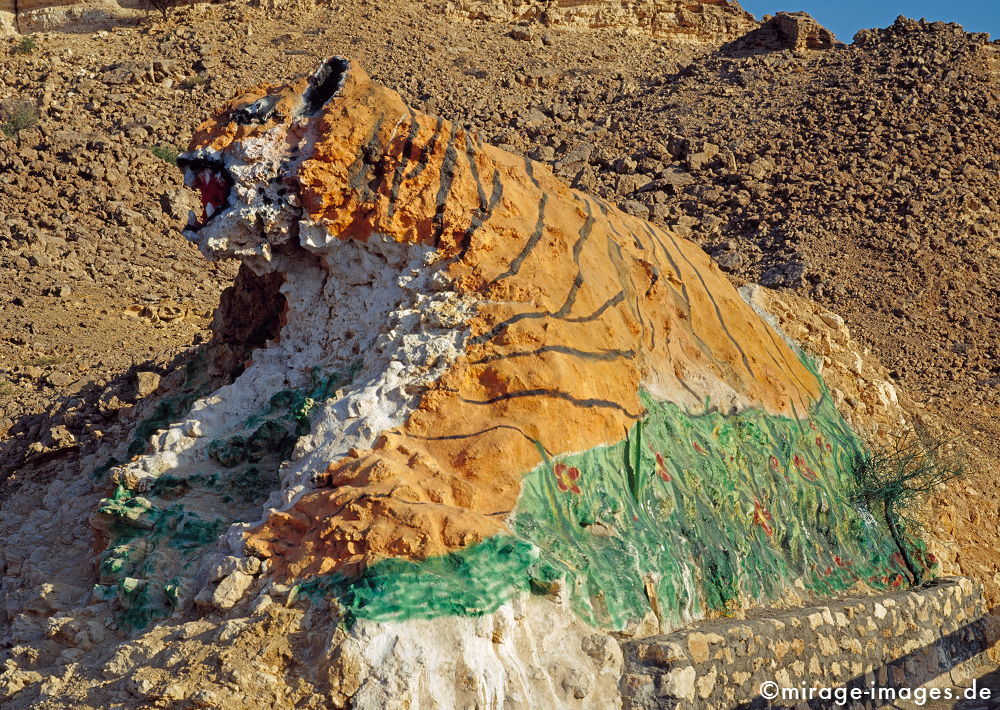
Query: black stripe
point(567, 306)
point(427, 152)
point(702, 345)
point(445, 179)
point(542, 392)
point(498, 328)
point(718, 312)
point(686, 386)
point(404, 158)
point(682, 295)
point(673, 264)
point(529, 246)
point(585, 231)
point(563, 349)
point(529, 167)
point(455, 437)
point(515, 265)
point(625, 279)
point(611, 302)
point(486, 208)
point(370, 158)
point(635, 238)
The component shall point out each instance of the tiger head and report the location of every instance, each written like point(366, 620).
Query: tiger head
point(248, 160)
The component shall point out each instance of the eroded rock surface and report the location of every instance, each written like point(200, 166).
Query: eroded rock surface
point(27, 16)
point(702, 21)
point(786, 30)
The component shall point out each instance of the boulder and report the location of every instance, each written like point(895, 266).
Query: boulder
point(784, 31)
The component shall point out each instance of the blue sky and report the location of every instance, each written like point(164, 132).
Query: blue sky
point(845, 17)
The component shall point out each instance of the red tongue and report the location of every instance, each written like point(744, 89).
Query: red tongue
point(213, 191)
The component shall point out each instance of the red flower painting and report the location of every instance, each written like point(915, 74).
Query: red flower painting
point(804, 471)
point(566, 478)
point(661, 468)
point(762, 517)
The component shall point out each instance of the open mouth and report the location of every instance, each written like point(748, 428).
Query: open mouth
point(213, 183)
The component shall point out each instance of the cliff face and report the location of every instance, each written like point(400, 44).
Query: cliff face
point(28, 16)
point(6, 15)
point(698, 21)
point(701, 21)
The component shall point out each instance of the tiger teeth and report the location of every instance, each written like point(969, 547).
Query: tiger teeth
point(210, 209)
point(192, 219)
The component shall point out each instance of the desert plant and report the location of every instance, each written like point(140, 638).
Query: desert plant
point(194, 80)
point(27, 45)
point(163, 6)
point(45, 360)
point(17, 116)
point(167, 153)
point(894, 482)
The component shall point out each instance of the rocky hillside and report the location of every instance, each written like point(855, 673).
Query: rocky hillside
point(865, 176)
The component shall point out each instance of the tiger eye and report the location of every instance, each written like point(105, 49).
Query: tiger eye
point(259, 111)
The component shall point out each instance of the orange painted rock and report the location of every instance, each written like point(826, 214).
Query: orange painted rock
point(543, 312)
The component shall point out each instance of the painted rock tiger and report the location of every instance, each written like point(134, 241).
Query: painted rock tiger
point(494, 317)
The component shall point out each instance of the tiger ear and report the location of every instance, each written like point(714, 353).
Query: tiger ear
point(325, 83)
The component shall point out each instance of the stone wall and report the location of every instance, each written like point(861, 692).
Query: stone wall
point(936, 636)
point(700, 21)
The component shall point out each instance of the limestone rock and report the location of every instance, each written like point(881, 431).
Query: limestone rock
point(476, 268)
point(13, 681)
point(146, 383)
point(449, 342)
point(28, 16)
point(231, 589)
point(786, 30)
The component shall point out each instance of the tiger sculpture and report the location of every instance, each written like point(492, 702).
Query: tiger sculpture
point(563, 308)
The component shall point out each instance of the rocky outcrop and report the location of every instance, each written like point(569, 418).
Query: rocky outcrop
point(702, 21)
point(28, 16)
point(785, 31)
point(8, 16)
point(859, 385)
